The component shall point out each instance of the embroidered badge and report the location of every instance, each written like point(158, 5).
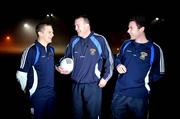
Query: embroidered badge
point(92, 51)
point(143, 55)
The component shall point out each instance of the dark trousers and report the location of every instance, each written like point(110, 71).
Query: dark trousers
point(123, 106)
point(44, 106)
point(86, 101)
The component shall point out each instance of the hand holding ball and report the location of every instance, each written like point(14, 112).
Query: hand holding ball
point(66, 66)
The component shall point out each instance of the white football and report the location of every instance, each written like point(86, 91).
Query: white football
point(67, 64)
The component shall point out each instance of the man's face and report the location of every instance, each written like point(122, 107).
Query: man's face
point(47, 34)
point(133, 30)
point(80, 26)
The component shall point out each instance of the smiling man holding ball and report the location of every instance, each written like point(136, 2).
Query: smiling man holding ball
point(91, 54)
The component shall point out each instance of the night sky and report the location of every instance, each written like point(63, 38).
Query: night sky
point(109, 19)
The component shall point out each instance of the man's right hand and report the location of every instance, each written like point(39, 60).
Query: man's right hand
point(121, 69)
point(62, 71)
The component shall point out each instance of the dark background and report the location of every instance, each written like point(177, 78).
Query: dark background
point(106, 17)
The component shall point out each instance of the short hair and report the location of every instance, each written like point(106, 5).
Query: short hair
point(86, 19)
point(140, 21)
point(41, 25)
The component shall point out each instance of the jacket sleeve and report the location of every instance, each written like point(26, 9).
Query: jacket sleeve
point(27, 60)
point(118, 59)
point(158, 66)
point(109, 61)
point(22, 79)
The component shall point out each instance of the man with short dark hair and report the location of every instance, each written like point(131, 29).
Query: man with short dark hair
point(36, 73)
point(139, 62)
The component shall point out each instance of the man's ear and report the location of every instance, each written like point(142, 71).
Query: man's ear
point(142, 29)
point(39, 33)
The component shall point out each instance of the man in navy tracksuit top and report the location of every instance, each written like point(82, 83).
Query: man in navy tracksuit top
point(91, 53)
point(139, 62)
point(36, 73)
